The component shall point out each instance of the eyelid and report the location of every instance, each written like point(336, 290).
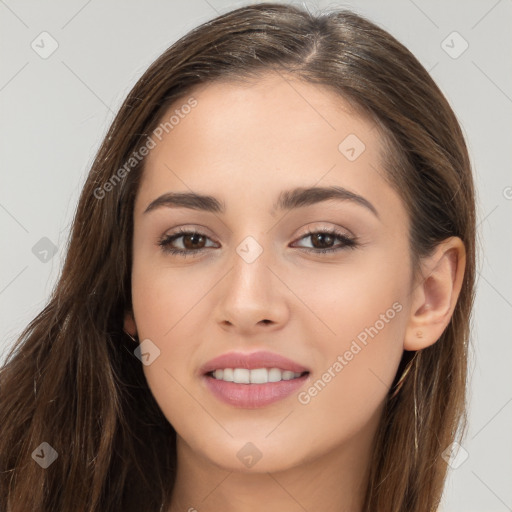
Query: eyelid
point(203, 230)
point(182, 232)
point(327, 229)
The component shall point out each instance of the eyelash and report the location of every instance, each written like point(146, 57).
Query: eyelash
point(166, 240)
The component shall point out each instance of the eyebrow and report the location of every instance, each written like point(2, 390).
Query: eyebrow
point(287, 200)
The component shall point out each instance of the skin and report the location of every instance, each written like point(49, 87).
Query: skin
point(244, 144)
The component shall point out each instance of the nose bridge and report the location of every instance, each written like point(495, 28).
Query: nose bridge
point(249, 294)
point(250, 279)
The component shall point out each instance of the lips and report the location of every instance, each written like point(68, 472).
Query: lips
point(250, 393)
point(252, 361)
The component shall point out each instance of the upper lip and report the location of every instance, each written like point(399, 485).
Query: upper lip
point(250, 361)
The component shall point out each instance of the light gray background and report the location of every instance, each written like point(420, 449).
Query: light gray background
point(55, 111)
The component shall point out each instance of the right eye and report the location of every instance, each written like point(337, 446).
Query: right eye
point(189, 240)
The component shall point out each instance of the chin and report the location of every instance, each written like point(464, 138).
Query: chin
point(262, 462)
point(245, 456)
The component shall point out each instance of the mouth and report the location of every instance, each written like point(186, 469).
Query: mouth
point(253, 389)
point(252, 380)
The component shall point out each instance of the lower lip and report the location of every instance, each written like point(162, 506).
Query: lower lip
point(252, 396)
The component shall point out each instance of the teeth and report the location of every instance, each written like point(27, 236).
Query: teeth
point(274, 375)
point(288, 375)
point(241, 376)
point(256, 376)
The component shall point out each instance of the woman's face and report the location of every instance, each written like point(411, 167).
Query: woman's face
point(254, 278)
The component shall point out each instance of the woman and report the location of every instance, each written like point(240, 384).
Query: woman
point(268, 286)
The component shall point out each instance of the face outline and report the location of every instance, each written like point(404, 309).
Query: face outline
point(316, 305)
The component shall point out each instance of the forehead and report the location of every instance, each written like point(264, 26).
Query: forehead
point(246, 140)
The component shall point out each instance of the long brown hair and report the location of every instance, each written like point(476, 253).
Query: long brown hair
point(72, 380)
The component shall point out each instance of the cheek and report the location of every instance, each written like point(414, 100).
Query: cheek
point(356, 340)
point(166, 303)
point(363, 299)
point(162, 297)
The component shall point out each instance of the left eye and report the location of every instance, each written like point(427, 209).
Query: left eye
point(193, 242)
point(327, 237)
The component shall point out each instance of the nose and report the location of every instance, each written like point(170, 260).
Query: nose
point(252, 299)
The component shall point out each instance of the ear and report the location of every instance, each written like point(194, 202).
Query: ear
point(435, 295)
point(129, 324)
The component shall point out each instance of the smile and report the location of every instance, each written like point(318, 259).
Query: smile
point(252, 380)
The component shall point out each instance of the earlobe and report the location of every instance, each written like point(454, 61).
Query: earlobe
point(129, 324)
point(435, 296)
